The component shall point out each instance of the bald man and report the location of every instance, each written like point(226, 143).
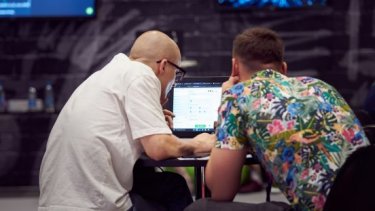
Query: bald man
point(110, 119)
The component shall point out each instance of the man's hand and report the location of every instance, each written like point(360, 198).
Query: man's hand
point(205, 142)
point(163, 146)
point(234, 77)
point(168, 117)
point(229, 83)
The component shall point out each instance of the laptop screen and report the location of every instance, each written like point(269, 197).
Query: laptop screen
point(195, 102)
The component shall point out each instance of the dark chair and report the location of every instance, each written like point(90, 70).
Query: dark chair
point(367, 122)
point(363, 116)
point(354, 186)
point(370, 133)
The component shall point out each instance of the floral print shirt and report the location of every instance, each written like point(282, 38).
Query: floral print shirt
point(300, 129)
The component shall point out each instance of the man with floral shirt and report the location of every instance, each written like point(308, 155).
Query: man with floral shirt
point(300, 128)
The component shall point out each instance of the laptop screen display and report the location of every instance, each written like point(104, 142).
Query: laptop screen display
point(195, 102)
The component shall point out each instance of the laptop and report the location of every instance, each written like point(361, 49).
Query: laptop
point(195, 102)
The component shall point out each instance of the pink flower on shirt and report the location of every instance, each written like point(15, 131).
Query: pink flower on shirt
point(319, 201)
point(290, 124)
point(256, 104)
point(317, 167)
point(348, 134)
point(305, 174)
point(275, 127)
point(269, 96)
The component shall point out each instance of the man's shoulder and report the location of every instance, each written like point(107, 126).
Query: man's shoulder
point(277, 77)
point(273, 78)
point(135, 67)
point(309, 80)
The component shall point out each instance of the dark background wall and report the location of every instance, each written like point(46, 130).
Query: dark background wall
point(335, 44)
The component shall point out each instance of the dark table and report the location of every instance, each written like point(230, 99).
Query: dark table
point(198, 164)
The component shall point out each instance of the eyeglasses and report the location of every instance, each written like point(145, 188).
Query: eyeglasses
point(180, 73)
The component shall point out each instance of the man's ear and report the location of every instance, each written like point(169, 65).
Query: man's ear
point(161, 67)
point(284, 68)
point(235, 67)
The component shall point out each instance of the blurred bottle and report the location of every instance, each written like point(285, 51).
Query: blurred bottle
point(32, 99)
point(49, 101)
point(3, 103)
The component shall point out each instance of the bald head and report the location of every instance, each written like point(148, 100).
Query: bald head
point(155, 45)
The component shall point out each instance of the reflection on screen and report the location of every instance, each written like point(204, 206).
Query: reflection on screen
point(195, 106)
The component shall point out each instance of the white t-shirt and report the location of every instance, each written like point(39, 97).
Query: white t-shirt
point(92, 148)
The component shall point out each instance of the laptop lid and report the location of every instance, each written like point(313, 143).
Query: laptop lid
point(195, 102)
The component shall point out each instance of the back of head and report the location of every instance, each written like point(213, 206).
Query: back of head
point(354, 183)
point(154, 45)
point(257, 47)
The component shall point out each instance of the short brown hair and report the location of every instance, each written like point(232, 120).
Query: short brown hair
point(259, 46)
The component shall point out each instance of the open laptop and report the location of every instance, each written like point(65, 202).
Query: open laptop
point(195, 102)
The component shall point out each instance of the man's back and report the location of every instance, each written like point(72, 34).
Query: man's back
point(301, 129)
point(91, 151)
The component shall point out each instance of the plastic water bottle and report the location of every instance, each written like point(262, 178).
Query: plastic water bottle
point(2, 99)
point(32, 99)
point(49, 101)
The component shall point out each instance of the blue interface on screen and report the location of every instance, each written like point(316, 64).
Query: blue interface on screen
point(271, 3)
point(47, 8)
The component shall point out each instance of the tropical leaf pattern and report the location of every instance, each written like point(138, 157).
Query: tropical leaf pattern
point(301, 129)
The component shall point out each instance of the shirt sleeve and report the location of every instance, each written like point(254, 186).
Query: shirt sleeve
point(230, 130)
point(143, 109)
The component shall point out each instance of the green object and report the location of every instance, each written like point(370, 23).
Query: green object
point(245, 174)
point(89, 11)
point(190, 171)
point(170, 169)
point(200, 126)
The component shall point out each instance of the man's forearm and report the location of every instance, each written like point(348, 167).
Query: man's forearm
point(160, 147)
point(229, 164)
point(177, 148)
